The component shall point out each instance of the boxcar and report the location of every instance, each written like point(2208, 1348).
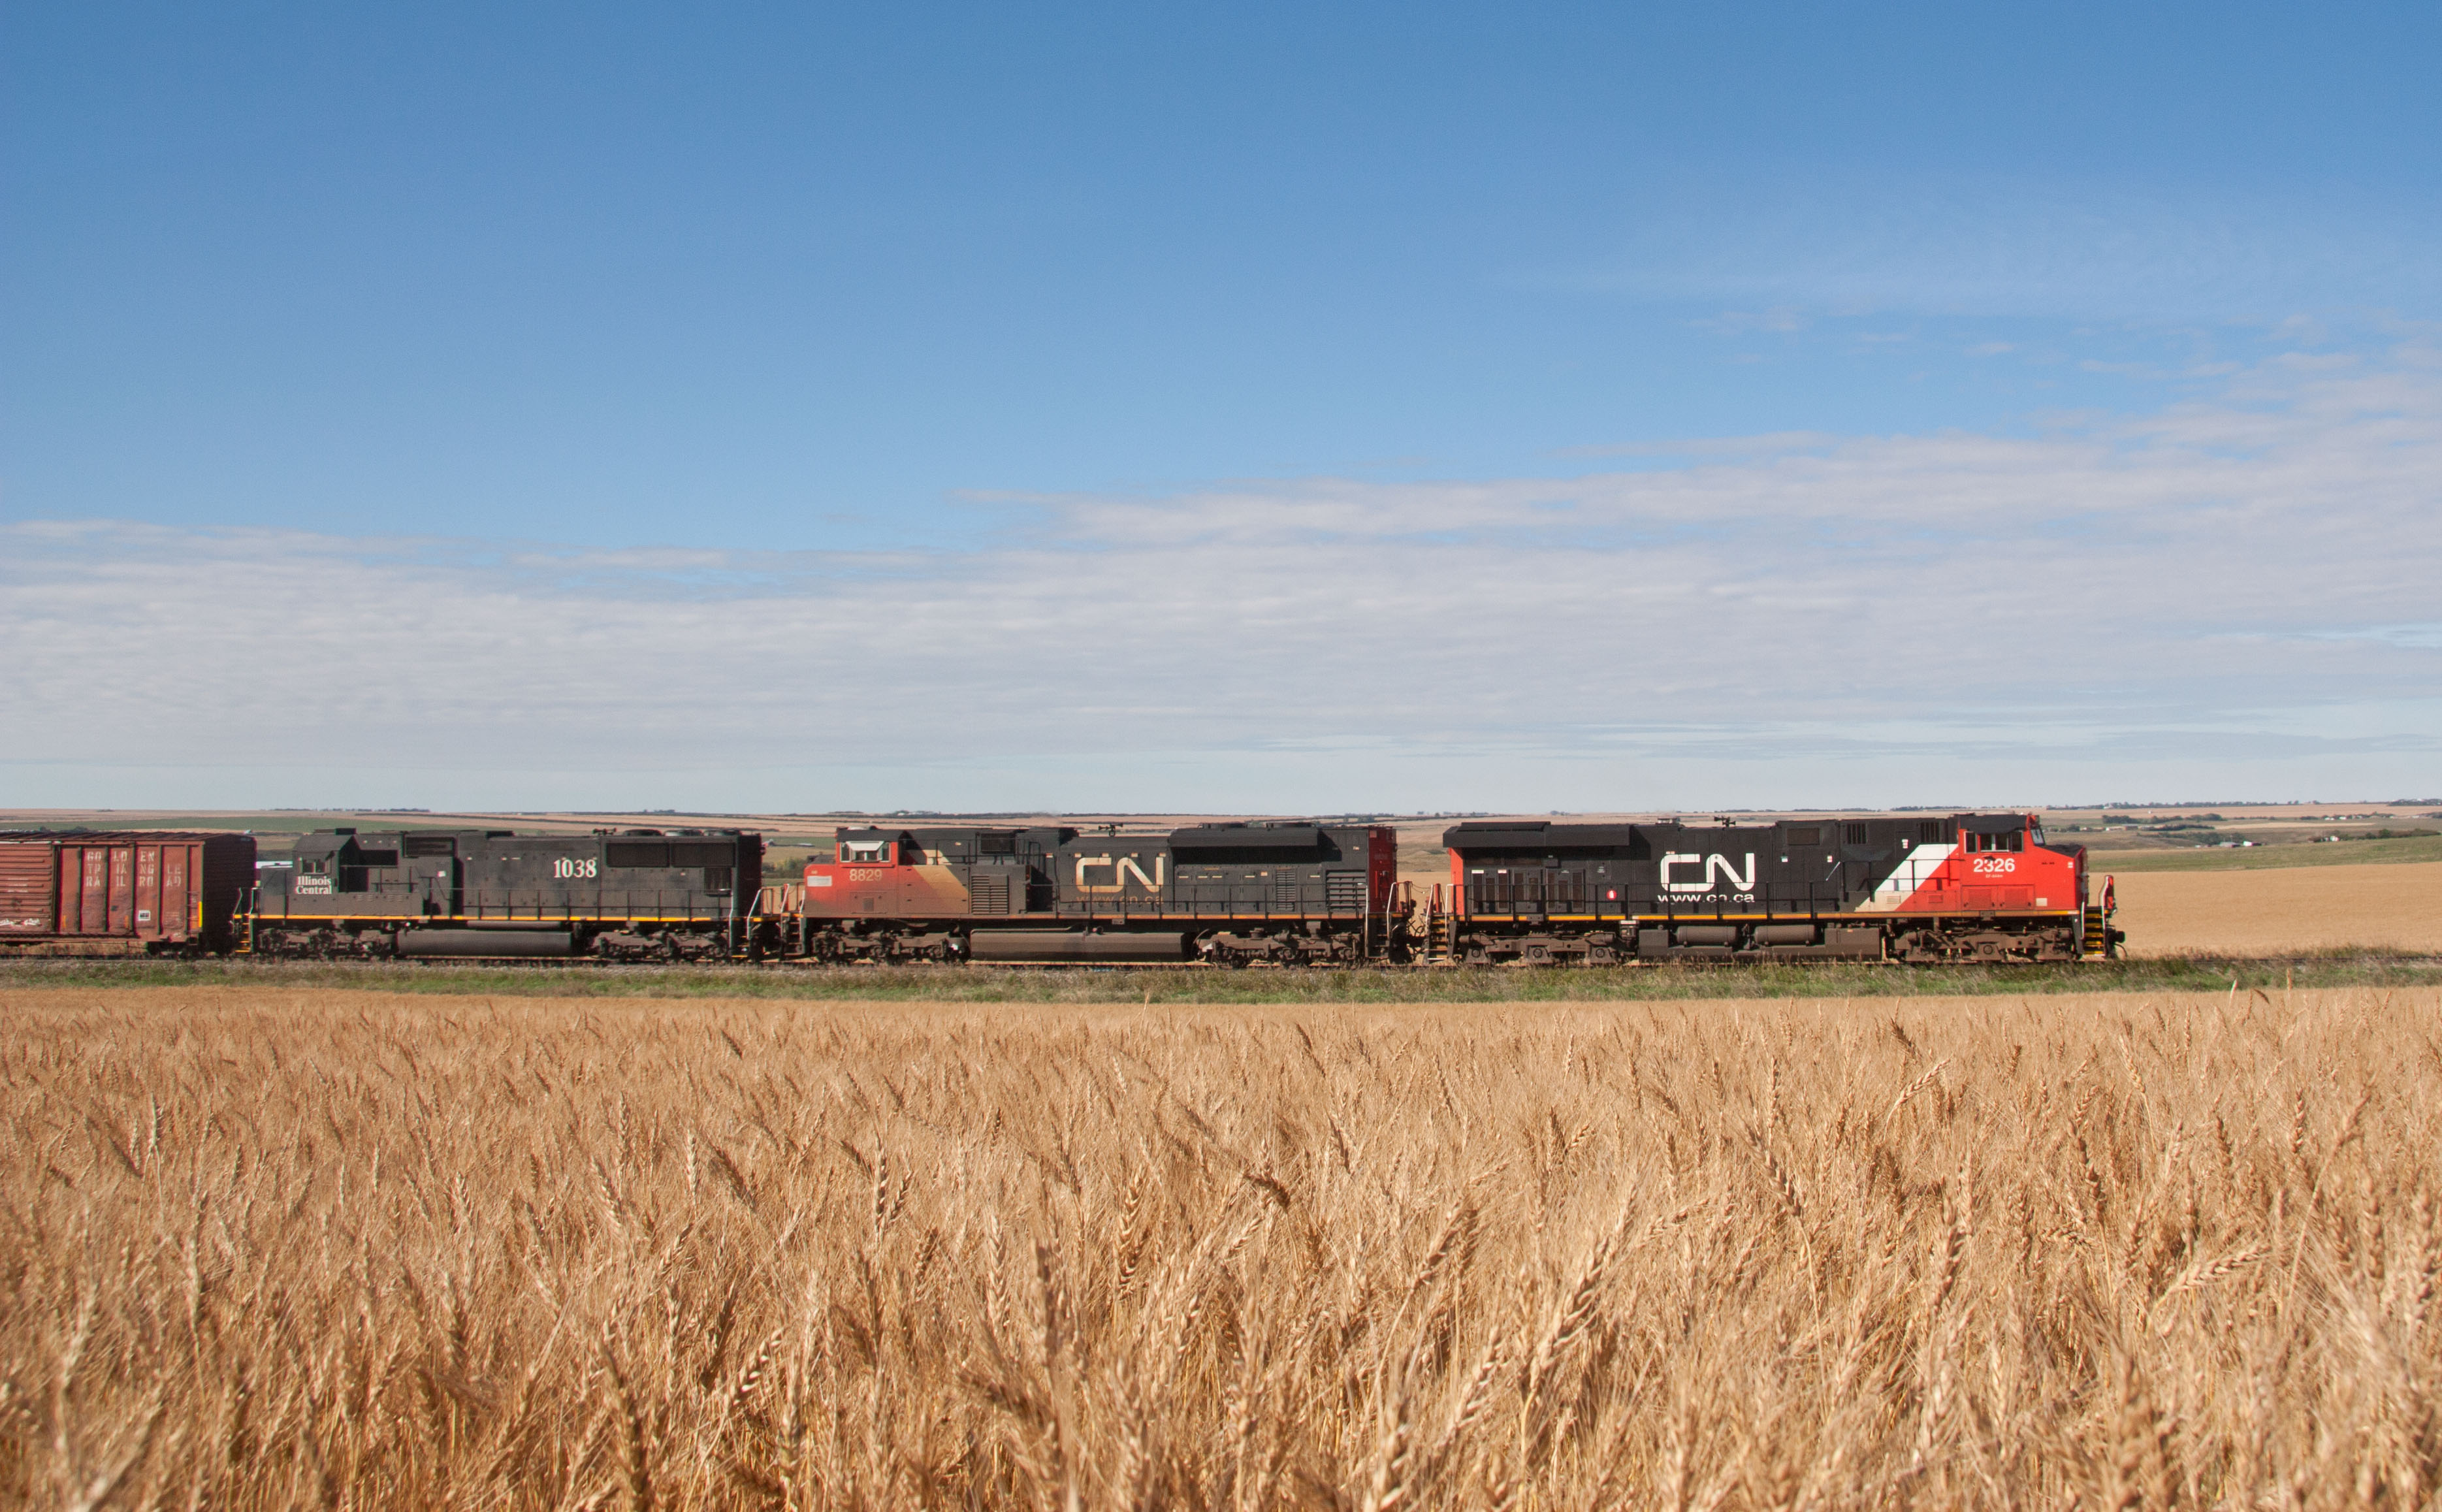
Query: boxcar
point(121, 892)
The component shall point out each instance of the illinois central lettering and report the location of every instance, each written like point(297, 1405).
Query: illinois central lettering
point(1121, 868)
point(1715, 865)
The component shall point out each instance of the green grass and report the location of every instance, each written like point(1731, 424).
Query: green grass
point(985, 984)
point(2265, 858)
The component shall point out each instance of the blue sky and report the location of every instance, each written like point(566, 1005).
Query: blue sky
point(623, 323)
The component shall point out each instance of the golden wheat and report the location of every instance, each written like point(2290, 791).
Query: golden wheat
point(345, 1249)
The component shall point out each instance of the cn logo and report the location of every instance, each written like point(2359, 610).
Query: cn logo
point(1715, 865)
point(1121, 869)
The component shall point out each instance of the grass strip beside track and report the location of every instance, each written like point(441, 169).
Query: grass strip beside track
point(990, 984)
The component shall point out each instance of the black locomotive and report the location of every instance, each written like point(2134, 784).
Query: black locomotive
point(634, 895)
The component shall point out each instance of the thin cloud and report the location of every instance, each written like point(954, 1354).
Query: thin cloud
point(2052, 249)
point(2218, 577)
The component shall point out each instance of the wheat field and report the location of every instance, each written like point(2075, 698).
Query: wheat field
point(2281, 910)
point(349, 1249)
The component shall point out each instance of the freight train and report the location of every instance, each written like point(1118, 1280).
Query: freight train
point(1963, 888)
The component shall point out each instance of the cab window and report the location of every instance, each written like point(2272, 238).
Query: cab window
point(866, 852)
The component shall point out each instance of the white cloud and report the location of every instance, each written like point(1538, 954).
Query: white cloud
point(2213, 597)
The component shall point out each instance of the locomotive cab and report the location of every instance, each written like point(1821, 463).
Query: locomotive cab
point(398, 873)
point(2002, 864)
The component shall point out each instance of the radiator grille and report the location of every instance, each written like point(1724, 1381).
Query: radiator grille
point(988, 893)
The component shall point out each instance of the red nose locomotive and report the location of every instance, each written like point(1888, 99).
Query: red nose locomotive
point(1967, 887)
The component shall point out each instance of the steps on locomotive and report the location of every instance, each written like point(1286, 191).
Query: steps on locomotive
point(2099, 938)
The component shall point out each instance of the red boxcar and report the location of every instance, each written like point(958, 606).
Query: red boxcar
point(121, 892)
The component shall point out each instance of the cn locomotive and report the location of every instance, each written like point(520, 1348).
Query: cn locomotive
point(1230, 894)
point(1963, 887)
point(1968, 887)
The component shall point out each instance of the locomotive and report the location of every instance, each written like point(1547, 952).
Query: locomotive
point(633, 895)
point(1230, 894)
point(1968, 887)
point(1963, 887)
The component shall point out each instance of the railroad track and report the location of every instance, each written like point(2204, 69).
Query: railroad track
point(2124, 965)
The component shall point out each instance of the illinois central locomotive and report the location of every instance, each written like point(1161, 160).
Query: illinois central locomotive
point(1969, 886)
point(634, 895)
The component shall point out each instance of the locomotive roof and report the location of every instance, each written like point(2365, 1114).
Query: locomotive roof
point(919, 832)
point(1542, 834)
point(342, 835)
point(1247, 837)
point(1534, 834)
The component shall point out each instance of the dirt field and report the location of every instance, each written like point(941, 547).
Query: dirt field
point(355, 1249)
point(2278, 911)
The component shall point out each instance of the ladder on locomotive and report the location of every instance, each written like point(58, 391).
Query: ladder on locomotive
point(1437, 932)
point(2098, 922)
point(2098, 933)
